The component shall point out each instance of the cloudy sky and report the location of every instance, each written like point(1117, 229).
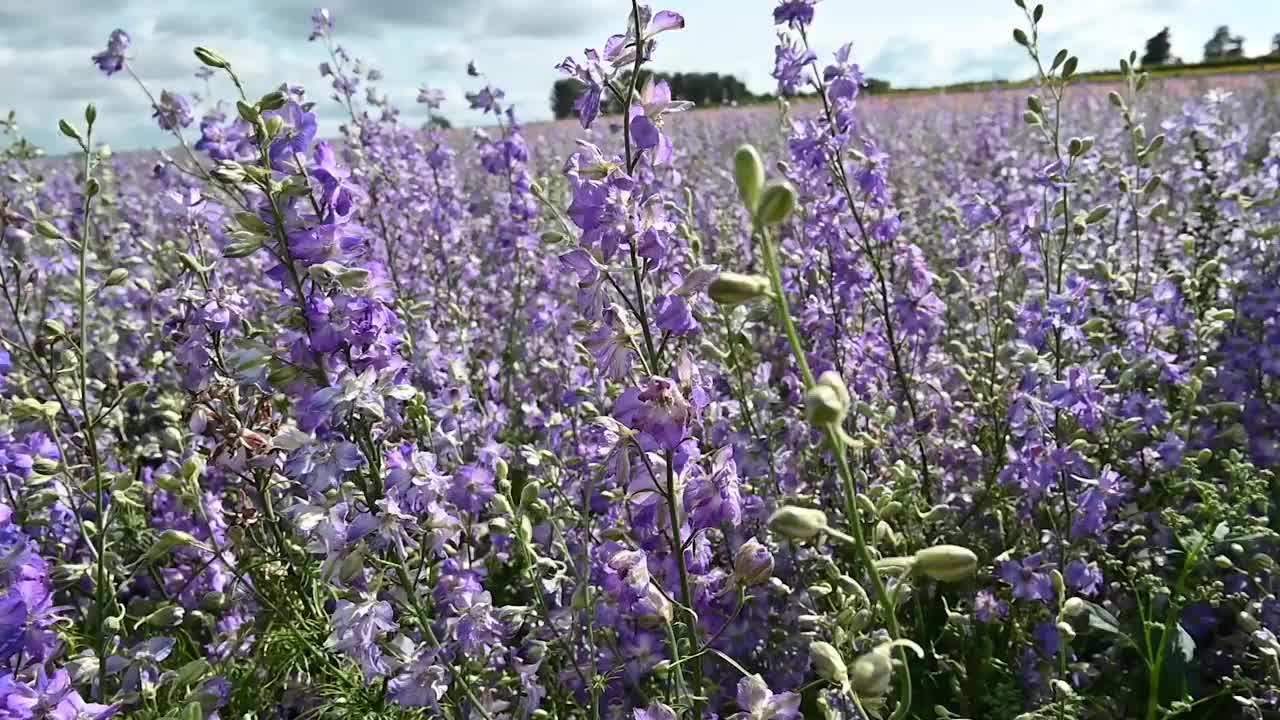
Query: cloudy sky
point(45, 45)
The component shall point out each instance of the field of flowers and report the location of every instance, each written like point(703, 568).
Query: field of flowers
point(921, 407)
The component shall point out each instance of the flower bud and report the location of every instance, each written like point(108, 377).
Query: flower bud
point(1073, 607)
point(822, 406)
point(48, 229)
point(947, 563)
point(211, 58)
point(168, 540)
point(169, 616)
point(748, 173)
point(828, 664)
point(529, 493)
point(753, 563)
point(871, 674)
point(797, 523)
point(1068, 633)
point(776, 204)
point(116, 276)
point(273, 100)
point(730, 288)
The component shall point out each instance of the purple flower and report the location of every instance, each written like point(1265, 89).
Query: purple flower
point(321, 23)
point(430, 97)
point(672, 314)
point(356, 631)
point(487, 100)
point(647, 118)
point(794, 13)
point(1027, 580)
point(111, 60)
point(473, 488)
point(1084, 577)
point(713, 499)
point(620, 50)
point(173, 111)
point(988, 607)
point(791, 63)
point(592, 76)
point(657, 410)
point(758, 702)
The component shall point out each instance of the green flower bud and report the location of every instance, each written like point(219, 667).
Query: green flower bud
point(48, 229)
point(730, 288)
point(776, 204)
point(170, 616)
point(529, 494)
point(1073, 607)
point(947, 563)
point(69, 130)
point(273, 100)
point(116, 276)
point(797, 523)
point(822, 406)
point(748, 173)
point(213, 601)
point(828, 664)
point(211, 58)
point(871, 674)
point(168, 540)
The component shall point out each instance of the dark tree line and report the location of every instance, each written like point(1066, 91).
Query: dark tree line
point(1222, 47)
point(707, 89)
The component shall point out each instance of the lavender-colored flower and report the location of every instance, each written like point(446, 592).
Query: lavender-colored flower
point(1084, 577)
point(112, 60)
point(758, 702)
point(321, 23)
point(473, 488)
point(657, 410)
point(647, 118)
point(620, 50)
point(715, 498)
point(1029, 582)
point(794, 13)
point(357, 628)
point(173, 111)
point(791, 64)
point(655, 711)
point(988, 607)
point(431, 97)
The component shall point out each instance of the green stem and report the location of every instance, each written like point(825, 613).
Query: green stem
point(836, 438)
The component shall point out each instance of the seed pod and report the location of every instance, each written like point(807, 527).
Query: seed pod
point(748, 173)
point(797, 523)
point(777, 203)
point(730, 288)
point(827, 663)
point(947, 563)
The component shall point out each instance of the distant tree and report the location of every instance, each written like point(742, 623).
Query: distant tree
point(437, 122)
point(1275, 44)
point(1223, 45)
point(874, 85)
point(564, 94)
point(1158, 49)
